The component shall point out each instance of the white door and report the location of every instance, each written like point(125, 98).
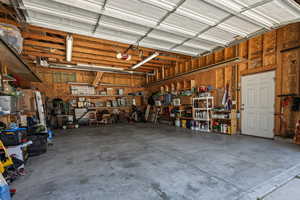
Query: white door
point(258, 99)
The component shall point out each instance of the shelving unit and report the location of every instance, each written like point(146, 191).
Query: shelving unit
point(202, 107)
point(101, 95)
point(226, 120)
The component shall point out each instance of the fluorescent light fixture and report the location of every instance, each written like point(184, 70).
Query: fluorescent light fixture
point(69, 47)
point(144, 61)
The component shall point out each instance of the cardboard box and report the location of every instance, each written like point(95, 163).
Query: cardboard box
point(23, 120)
point(26, 101)
point(110, 91)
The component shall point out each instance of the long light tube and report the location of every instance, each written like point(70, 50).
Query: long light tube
point(144, 61)
point(69, 47)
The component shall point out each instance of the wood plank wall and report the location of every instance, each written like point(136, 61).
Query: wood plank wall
point(62, 90)
point(275, 50)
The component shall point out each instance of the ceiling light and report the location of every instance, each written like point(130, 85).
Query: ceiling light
point(123, 56)
point(146, 60)
point(69, 47)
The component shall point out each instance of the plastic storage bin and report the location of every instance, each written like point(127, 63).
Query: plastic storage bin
point(11, 35)
point(13, 137)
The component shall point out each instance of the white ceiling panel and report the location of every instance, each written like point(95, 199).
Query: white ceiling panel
point(239, 26)
point(55, 20)
point(230, 5)
point(135, 11)
point(121, 25)
point(188, 50)
point(182, 25)
point(165, 4)
point(154, 43)
point(166, 36)
point(201, 11)
point(218, 35)
point(271, 10)
point(192, 26)
point(201, 44)
point(118, 36)
point(89, 5)
point(61, 10)
point(248, 3)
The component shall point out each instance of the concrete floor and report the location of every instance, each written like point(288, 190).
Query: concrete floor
point(290, 191)
point(138, 162)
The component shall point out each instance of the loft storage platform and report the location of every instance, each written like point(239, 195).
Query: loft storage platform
point(15, 64)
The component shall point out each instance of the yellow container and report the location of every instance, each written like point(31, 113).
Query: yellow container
point(183, 123)
point(8, 161)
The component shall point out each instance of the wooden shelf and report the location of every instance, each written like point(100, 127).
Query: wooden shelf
point(124, 107)
point(222, 111)
point(199, 119)
point(205, 109)
point(15, 64)
point(96, 95)
point(188, 118)
point(221, 119)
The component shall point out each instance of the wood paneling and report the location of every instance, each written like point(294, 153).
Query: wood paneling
point(262, 53)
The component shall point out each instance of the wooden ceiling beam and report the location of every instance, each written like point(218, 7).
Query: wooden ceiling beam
point(172, 57)
point(34, 29)
point(179, 56)
point(44, 38)
point(80, 50)
point(28, 35)
point(61, 54)
point(77, 60)
point(113, 49)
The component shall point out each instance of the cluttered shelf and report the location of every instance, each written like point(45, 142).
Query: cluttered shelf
point(221, 119)
point(103, 107)
point(195, 109)
point(95, 95)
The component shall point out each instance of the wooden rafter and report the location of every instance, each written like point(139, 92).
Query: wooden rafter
point(49, 43)
point(85, 58)
point(98, 78)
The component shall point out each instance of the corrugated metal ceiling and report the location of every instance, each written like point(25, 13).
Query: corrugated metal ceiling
point(189, 27)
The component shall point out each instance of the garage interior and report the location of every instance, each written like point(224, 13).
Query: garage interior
point(150, 99)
